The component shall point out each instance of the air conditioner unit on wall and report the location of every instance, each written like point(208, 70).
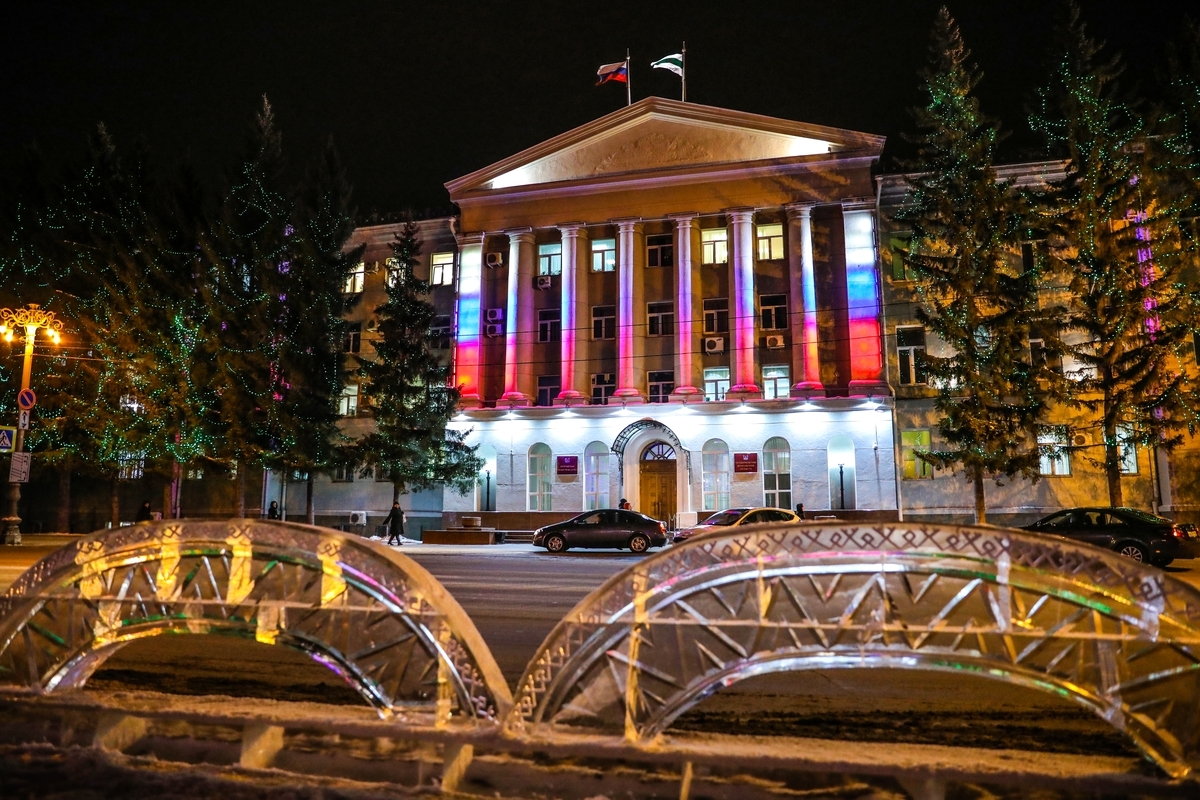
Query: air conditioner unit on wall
point(495, 330)
point(495, 315)
point(542, 282)
point(494, 260)
point(775, 343)
point(714, 344)
point(358, 518)
point(372, 325)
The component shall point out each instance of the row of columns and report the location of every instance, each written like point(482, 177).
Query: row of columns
point(521, 323)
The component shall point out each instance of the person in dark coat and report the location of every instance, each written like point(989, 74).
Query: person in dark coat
point(395, 524)
point(273, 510)
point(144, 514)
point(800, 510)
point(625, 505)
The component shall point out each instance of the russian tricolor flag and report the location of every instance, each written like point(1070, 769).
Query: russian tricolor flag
point(613, 72)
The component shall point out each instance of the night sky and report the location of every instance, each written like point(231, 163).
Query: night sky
point(418, 95)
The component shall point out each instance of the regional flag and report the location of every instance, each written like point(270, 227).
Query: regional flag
point(613, 72)
point(673, 63)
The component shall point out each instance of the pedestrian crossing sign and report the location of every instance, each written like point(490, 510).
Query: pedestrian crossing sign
point(7, 437)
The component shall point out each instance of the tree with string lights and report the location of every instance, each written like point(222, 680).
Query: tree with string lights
point(1119, 247)
point(410, 399)
point(974, 297)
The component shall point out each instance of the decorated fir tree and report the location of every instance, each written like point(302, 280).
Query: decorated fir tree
point(974, 298)
point(1120, 249)
point(408, 390)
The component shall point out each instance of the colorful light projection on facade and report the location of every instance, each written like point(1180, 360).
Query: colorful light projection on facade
point(470, 295)
point(862, 295)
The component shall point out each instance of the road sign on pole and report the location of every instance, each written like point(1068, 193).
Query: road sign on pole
point(8, 437)
point(19, 473)
point(26, 399)
point(23, 420)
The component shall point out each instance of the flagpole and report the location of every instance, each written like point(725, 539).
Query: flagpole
point(628, 79)
point(683, 65)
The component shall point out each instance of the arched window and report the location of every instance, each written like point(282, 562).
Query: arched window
point(715, 469)
point(595, 477)
point(841, 472)
point(540, 482)
point(777, 473)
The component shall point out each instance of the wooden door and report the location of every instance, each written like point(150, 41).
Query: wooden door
point(658, 490)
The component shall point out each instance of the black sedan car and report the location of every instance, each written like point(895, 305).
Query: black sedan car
point(607, 527)
point(1132, 533)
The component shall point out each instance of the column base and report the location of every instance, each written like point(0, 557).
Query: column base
point(513, 400)
point(570, 397)
point(743, 392)
point(469, 402)
point(687, 394)
point(873, 386)
point(806, 389)
point(627, 397)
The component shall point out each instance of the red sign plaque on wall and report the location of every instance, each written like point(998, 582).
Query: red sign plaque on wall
point(745, 462)
point(568, 465)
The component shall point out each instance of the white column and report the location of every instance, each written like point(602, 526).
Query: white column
point(685, 341)
point(571, 240)
point(630, 231)
point(468, 342)
point(742, 307)
point(804, 294)
point(519, 325)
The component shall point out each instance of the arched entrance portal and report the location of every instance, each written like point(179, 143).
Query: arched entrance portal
point(657, 471)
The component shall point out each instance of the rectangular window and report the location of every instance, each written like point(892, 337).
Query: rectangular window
point(604, 322)
point(343, 473)
point(548, 388)
point(660, 251)
point(910, 443)
point(353, 338)
point(1027, 261)
point(661, 385)
point(549, 325)
point(714, 246)
point(440, 332)
point(392, 268)
point(716, 315)
point(195, 474)
point(441, 269)
point(1055, 460)
point(604, 255)
point(550, 259)
point(131, 466)
point(382, 474)
point(604, 384)
point(348, 402)
point(1040, 357)
point(770, 242)
point(660, 319)
point(898, 247)
point(910, 347)
point(1126, 450)
point(716, 383)
point(772, 308)
point(354, 281)
point(777, 382)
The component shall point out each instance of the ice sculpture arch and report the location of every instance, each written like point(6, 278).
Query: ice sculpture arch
point(371, 614)
point(1118, 637)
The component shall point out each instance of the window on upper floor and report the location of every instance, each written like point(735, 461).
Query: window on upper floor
point(440, 330)
point(716, 315)
point(604, 384)
point(604, 255)
point(352, 341)
point(910, 443)
point(1041, 357)
point(549, 325)
point(548, 388)
point(910, 349)
point(714, 246)
point(716, 383)
point(355, 279)
point(348, 402)
point(604, 322)
point(1127, 450)
point(550, 259)
point(897, 250)
point(131, 466)
point(391, 268)
point(772, 309)
point(660, 319)
point(777, 381)
point(441, 269)
point(661, 384)
point(660, 250)
point(770, 242)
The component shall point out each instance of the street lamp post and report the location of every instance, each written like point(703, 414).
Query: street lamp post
point(31, 319)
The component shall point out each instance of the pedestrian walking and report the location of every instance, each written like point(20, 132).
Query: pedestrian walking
point(395, 524)
point(144, 513)
point(800, 510)
point(273, 510)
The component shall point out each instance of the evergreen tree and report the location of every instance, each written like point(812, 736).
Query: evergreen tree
point(1121, 252)
point(408, 390)
point(975, 299)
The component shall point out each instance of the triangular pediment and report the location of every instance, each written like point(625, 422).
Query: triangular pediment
point(655, 135)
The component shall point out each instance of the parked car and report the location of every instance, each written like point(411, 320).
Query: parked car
point(736, 516)
point(607, 527)
point(1132, 533)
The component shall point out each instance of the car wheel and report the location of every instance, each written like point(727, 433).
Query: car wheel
point(639, 543)
point(1134, 550)
point(556, 543)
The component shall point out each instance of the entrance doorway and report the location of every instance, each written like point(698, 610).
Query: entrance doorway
point(657, 482)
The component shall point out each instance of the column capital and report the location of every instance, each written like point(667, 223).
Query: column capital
point(857, 203)
point(628, 224)
point(574, 229)
point(684, 220)
point(474, 237)
point(800, 210)
point(740, 214)
point(520, 234)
